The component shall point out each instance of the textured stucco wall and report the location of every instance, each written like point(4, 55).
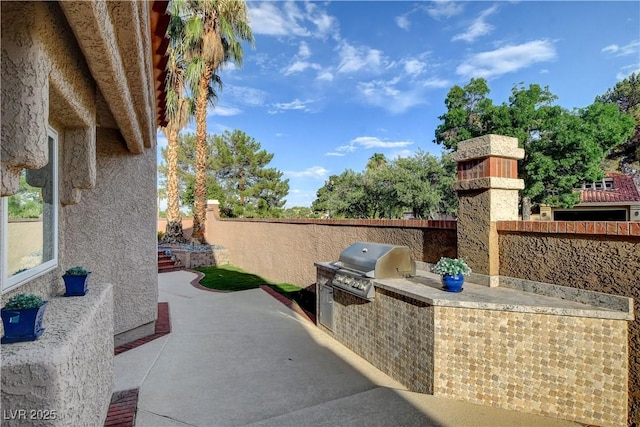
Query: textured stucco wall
point(67, 374)
point(113, 230)
point(608, 264)
point(474, 235)
point(286, 252)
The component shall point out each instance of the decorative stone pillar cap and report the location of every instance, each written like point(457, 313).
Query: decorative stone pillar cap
point(213, 202)
point(490, 145)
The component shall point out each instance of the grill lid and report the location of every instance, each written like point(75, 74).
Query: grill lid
point(378, 260)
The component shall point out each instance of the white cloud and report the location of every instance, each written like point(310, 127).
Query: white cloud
point(296, 104)
point(507, 59)
point(628, 49)
point(403, 22)
point(400, 153)
point(244, 95)
point(478, 28)
point(334, 154)
point(300, 66)
point(287, 19)
point(384, 94)
point(353, 59)
point(303, 50)
point(444, 9)
point(325, 75)
point(627, 71)
point(367, 142)
point(315, 172)
point(223, 110)
point(414, 67)
point(435, 82)
point(375, 142)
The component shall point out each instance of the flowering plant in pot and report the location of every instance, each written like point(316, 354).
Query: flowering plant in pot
point(452, 271)
point(75, 281)
point(22, 318)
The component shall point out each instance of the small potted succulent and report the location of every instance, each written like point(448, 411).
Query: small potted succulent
point(75, 281)
point(22, 318)
point(452, 271)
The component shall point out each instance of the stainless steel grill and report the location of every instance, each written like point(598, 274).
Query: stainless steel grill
point(363, 261)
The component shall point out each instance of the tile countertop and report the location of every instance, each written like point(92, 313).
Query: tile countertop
point(426, 287)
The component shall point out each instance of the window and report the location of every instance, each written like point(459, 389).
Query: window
point(30, 223)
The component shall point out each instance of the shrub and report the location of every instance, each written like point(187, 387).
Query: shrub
point(23, 301)
point(76, 271)
point(451, 266)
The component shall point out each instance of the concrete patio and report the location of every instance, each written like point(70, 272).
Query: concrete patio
point(244, 358)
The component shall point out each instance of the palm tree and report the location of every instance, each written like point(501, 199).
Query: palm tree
point(212, 34)
point(376, 161)
point(179, 110)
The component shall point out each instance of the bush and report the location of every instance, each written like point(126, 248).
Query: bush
point(451, 266)
point(76, 271)
point(23, 301)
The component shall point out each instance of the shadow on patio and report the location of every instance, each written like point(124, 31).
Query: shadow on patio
point(243, 358)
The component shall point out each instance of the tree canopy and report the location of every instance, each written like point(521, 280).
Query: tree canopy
point(238, 175)
point(421, 184)
point(562, 148)
point(626, 96)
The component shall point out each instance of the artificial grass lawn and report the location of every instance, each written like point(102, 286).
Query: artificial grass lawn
point(229, 278)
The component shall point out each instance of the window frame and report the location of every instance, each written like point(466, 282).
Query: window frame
point(10, 283)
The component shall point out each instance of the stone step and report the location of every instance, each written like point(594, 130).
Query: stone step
point(167, 263)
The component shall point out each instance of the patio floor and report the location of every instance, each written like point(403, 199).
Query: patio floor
point(244, 358)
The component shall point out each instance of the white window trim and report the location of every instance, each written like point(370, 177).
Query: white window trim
point(12, 282)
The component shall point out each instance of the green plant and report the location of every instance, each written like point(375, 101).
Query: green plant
point(451, 266)
point(76, 271)
point(160, 235)
point(23, 301)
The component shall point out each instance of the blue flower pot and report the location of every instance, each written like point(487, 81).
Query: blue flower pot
point(23, 324)
point(452, 283)
point(75, 286)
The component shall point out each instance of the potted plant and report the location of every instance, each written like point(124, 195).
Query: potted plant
point(452, 271)
point(22, 318)
point(75, 281)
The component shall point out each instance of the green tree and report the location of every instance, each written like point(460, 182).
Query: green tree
point(251, 188)
point(626, 96)
point(211, 36)
point(421, 183)
point(376, 161)
point(562, 147)
point(424, 184)
point(27, 202)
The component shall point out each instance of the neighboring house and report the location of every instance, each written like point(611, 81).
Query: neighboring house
point(82, 96)
point(615, 198)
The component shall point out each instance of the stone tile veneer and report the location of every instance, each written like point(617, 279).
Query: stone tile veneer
point(566, 367)
point(394, 333)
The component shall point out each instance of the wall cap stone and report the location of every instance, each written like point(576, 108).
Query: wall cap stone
point(490, 145)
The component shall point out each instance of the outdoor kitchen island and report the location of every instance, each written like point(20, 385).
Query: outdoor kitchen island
point(526, 346)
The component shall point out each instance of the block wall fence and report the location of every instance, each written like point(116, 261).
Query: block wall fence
point(592, 255)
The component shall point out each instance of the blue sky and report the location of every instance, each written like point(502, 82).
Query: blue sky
point(331, 83)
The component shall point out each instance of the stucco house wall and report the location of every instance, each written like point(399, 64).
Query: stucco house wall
point(110, 233)
point(91, 74)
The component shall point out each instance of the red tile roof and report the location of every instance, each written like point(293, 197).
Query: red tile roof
point(624, 190)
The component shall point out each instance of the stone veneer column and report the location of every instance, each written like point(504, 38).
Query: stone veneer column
point(487, 189)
